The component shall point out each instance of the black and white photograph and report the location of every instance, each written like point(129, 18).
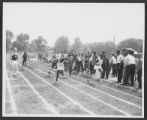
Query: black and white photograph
point(73, 59)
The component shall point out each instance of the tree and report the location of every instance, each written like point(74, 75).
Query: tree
point(41, 44)
point(77, 45)
point(131, 43)
point(32, 46)
point(21, 42)
point(61, 44)
point(9, 37)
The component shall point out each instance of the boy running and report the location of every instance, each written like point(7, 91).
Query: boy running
point(60, 68)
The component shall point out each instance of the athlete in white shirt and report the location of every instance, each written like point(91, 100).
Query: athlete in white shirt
point(60, 68)
point(14, 61)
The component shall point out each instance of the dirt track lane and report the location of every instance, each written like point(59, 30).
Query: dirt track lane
point(70, 95)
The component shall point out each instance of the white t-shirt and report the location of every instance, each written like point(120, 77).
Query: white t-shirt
point(90, 59)
point(119, 58)
point(130, 59)
point(65, 55)
point(60, 66)
point(113, 60)
point(79, 58)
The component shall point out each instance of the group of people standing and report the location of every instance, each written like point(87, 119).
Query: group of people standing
point(125, 65)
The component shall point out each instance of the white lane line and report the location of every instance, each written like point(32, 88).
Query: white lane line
point(117, 109)
point(69, 98)
point(114, 89)
point(108, 87)
point(13, 105)
point(93, 96)
point(130, 103)
point(48, 106)
point(15, 86)
point(109, 105)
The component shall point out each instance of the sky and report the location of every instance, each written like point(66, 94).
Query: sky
point(92, 22)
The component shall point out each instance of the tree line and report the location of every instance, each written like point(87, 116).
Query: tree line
point(40, 44)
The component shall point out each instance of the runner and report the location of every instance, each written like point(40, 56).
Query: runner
point(24, 57)
point(60, 68)
point(14, 61)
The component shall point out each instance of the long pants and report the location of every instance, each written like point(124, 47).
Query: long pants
point(65, 65)
point(114, 70)
point(14, 64)
point(86, 67)
point(24, 62)
point(91, 68)
point(70, 68)
point(119, 72)
point(105, 72)
point(139, 78)
point(130, 72)
point(54, 65)
point(80, 64)
point(59, 72)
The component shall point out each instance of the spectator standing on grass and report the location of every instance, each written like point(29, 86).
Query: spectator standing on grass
point(113, 63)
point(105, 66)
point(125, 53)
point(119, 66)
point(139, 70)
point(86, 64)
point(65, 61)
point(80, 62)
point(94, 58)
point(14, 61)
point(90, 63)
point(98, 70)
point(70, 64)
point(130, 68)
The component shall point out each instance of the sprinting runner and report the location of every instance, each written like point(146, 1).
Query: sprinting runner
point(60, 68)
point(14, 61)
point(24, 57)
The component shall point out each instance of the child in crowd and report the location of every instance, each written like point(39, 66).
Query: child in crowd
point(98, 70)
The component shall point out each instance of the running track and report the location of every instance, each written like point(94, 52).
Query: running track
point(35, 92)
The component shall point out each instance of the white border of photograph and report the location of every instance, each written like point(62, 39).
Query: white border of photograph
point(60, 115)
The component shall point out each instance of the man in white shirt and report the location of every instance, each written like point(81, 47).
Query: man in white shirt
point(119, 62)
point(80, 62)
point(130, 65)
point(113, 62)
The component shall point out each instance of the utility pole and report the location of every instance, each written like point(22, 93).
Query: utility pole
point(113, 43)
